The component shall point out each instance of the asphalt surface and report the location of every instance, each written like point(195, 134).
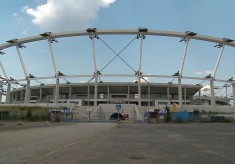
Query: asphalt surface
point(128, 143)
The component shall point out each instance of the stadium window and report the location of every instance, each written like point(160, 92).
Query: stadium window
point(136, 96)
point(101, 96)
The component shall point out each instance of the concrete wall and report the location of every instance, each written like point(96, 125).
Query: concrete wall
point(201, 108)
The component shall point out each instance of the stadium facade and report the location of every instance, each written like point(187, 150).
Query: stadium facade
point(108, 93)
point(93, 93)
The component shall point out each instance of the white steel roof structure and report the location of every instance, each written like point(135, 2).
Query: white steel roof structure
point(94, 33)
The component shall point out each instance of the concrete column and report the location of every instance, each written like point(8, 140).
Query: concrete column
point(180, 94)
point(15, 96)
point(233, 86)
point(88, 95)
point(199, 94)
point(108, 91)
point(185, 94)
point(70, 92)
point(96, 92)
point(128, 90)
point(8, 94)
point(148, 96)
point(40, 94)
point(212, 93)
point(139, 91)
point(57, 87)
point(12, 96)
point(27, 93)
point(21, 95)
point(0, 97)
point(168, 94)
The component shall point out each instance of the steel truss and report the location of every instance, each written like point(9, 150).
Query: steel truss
point(94, 33)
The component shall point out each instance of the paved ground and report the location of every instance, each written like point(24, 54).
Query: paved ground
point(130, 143)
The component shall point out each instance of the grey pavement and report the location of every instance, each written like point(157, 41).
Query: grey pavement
point(143, 143)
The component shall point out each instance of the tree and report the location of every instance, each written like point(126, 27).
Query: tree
point(168, 114)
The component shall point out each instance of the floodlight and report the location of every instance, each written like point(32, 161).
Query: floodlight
point(98, 73)
point(60, 73)
point(31, 76)
point(12, 78)
point(53, 40)
point(182, 39)
point(142, 29)
point(208, 76)
point(218, 45)
point(21, 46)
point(46, 34)
point(176, 74)
point(138, 73)
point(231, 79)
point(1, 52)
point(190, 33)
point(227, 40)
point(90, 30)
point(12, 41)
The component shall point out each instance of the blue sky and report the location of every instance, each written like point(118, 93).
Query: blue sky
point(161, 55)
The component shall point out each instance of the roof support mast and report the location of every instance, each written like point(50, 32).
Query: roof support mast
point(220, 45)
point(186, 39)
point(218, 60)
point(50, 40)
point(8, 94)
point(56, 98)
point(27, 90)
point(57, 73)
point(139, 73)
point(3, 70)
point(93, 35)
point(214, 73)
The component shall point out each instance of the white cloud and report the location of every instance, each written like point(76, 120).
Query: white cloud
point(23, 9)
point(205, 88)
point(24, 32)
point(207, 72)
point(15, 15)
point(198, 72)
point(145, 78)
point(62, 15)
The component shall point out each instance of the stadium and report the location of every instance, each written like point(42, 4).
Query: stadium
point(65, 91)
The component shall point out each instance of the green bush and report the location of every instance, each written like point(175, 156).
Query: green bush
point(168, 114)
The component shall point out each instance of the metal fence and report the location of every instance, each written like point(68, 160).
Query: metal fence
point(114, 117)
